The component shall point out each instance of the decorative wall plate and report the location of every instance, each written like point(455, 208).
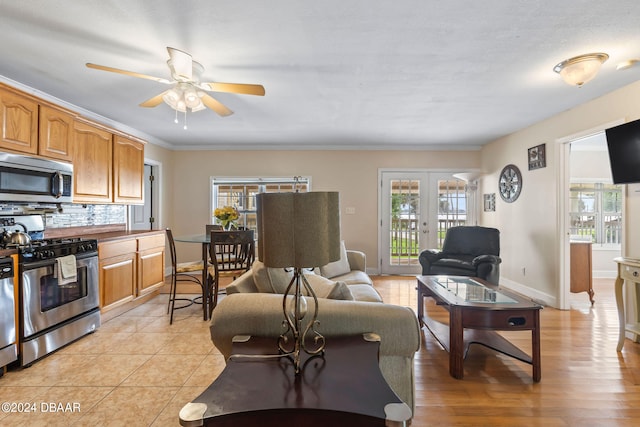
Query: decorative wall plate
point(510, 183)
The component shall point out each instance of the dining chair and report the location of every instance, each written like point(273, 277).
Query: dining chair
point(232, 253)
point(183, 272)
point(213, 227)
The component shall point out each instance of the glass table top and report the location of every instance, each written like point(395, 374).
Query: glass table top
point(472, 291)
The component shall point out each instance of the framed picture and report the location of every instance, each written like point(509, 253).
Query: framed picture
point(537, 157)
point(490, 202)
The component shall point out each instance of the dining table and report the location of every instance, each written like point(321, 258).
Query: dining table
point(205, 241)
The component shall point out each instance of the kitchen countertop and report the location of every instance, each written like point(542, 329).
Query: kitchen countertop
point(117, 235)
point(101, 233)
point(8, 252)
point(100, 237)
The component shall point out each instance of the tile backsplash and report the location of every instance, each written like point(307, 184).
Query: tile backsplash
point(70, 215)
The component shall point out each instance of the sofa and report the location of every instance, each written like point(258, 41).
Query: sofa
point(348, 304)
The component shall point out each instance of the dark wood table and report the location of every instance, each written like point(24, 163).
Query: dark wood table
point(477, 309)
point(342, 388)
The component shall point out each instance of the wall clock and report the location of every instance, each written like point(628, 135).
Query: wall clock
point(510, 183)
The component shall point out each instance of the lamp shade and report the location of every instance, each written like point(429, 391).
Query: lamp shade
point(299, 230)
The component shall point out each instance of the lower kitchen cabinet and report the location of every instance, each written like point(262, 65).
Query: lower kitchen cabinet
point(118, 273)
point(130, 268)
point(150, 263)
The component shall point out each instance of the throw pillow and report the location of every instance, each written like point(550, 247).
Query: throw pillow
point(341, 291)
point(337, 268)
point(261, 278)
point(325, 288)
point(279, 279)
point(270, 280)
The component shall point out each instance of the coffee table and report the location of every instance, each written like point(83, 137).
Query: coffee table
point(342, 388)
point(477, 309)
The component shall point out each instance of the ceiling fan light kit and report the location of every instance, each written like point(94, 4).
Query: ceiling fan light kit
point(184, 96)
point(188, 92)
point(580, 69)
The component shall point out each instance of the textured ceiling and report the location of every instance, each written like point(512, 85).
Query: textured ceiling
point(338, 74)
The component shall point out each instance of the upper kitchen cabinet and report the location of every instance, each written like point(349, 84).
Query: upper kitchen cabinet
point(55, 133)
point(128, 170)
point(18, 122)
point(92, 163)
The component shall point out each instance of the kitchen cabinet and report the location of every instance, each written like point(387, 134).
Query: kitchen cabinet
point(55, 135)
point(128, 170)
point(18, 122)
point(581, 268)
point(118, 273)
point(130, 268)
point(108, 165)
point(92, 163)
point(150, 263)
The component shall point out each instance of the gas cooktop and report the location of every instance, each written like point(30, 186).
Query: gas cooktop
point(53, 248)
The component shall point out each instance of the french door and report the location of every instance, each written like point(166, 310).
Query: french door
point(416, 209)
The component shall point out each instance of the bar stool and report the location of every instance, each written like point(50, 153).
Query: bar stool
point(182, 272)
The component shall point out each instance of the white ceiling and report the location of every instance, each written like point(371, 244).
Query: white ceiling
point(338, 74)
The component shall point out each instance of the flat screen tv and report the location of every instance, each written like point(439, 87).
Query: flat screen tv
point(624, 152)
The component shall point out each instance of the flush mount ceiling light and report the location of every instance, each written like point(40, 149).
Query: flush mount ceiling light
point(627, 64)
point(578, 70)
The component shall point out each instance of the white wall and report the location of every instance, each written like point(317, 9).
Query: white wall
point(530, 226)
point(352, 173)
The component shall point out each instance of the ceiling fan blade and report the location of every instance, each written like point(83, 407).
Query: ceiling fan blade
point(180, 63)
point(216, 105)
point(246, 89)
point(128, 73)
point(153, 102)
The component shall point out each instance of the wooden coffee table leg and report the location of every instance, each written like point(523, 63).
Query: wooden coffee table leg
point(456, 343)
point(535, 347)
point(421, 297)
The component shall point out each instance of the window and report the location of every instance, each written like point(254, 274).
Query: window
point(241, 194)
point(596, 212)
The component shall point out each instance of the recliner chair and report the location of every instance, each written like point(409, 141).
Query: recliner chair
point(466, 251)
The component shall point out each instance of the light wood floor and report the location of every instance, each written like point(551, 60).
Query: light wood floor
point(585, 382)
point(138, 370)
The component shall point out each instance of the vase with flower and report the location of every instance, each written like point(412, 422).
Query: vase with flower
point(227, 217)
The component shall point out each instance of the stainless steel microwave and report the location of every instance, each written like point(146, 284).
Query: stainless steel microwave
point(33, 179)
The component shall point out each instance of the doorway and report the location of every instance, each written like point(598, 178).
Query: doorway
point(416, 207)
point(146, 216)
point(572, 223)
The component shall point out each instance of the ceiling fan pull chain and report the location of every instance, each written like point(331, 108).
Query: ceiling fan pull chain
point(176, 119)
point(185, 119)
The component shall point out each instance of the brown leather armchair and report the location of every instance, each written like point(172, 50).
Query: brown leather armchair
point(466, 251)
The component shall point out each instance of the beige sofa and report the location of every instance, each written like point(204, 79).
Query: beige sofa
point(253, 306)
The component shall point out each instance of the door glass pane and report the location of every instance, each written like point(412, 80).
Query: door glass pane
point(405, 217)
point(452, 206)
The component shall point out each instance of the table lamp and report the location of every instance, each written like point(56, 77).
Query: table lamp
point(298, 231)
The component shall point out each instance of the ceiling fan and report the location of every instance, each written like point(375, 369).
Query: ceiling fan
point(188, 92)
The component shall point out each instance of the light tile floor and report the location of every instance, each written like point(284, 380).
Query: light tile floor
point(135, 370)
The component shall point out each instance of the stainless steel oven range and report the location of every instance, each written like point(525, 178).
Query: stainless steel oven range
point(58, 293)
point(8, 348)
